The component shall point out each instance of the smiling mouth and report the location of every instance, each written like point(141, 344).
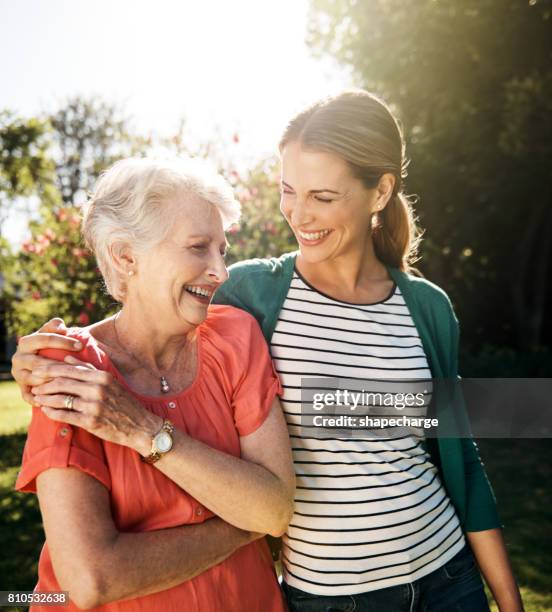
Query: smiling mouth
point(313, 236)
point(200, 293)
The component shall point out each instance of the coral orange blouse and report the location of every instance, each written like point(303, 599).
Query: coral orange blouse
point(230, 397)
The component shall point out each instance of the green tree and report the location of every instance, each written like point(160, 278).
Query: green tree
point(89, 135)
point(53, 274)
point(472, 82)
point(25, 166)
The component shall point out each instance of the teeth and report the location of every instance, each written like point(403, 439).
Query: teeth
point(313, 235)
point(198, 291)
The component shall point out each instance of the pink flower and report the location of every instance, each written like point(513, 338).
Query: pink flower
point(245, 195)
point(233, 229)
point(88, 305)
point(234, 177)
point(74, 221)
point(28, 247)
point(84, 319)
point(61, 214)
point(42, 240)
point(36, 295)
point(50, 234)
point(54, 262)
point(236, 138)
point(80, 253)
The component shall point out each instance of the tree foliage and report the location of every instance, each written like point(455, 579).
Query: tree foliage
point(53, 274)
point(25, 166)
point(472, 82)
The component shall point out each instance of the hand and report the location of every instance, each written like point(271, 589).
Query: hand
point(101, 405)
point(50, 335)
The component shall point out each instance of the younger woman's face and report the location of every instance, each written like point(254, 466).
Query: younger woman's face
point(328, 209)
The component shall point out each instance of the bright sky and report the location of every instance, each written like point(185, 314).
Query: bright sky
point(227, 66)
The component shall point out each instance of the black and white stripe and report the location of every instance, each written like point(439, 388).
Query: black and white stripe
point(369, 513)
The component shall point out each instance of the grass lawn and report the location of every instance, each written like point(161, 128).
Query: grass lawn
point(15, 413)
point(520, 470)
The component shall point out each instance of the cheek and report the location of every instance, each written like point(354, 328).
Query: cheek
point(285, 207)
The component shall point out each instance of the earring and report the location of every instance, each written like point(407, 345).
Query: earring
point(131, 272)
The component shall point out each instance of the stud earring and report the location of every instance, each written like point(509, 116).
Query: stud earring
point(131, 273)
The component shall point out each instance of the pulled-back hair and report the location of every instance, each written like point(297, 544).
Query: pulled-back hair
point(359, 127)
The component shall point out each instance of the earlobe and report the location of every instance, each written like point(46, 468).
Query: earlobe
point(122, 257)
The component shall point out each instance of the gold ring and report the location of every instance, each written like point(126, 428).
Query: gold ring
point(68, 403)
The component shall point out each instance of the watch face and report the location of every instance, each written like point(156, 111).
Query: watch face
point(163, 442)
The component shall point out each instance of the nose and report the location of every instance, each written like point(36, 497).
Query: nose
point(299, 213)
point(217, 268)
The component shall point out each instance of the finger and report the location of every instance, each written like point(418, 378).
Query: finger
point(59, 369)
point(64, 416)
point(24, 366)
point(28, 396)
point(37, 342)
point(54, 326)
point(57, 402)
point(74, 361)
point(68, 386)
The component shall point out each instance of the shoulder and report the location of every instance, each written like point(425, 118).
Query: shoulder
point(91, 352)
point(230, 338)
point(427, 295)
point(229, 322)
point(254, 269)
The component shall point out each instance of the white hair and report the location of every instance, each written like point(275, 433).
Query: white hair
point(130, 203)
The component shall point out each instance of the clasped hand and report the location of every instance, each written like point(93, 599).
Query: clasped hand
point(101, 405)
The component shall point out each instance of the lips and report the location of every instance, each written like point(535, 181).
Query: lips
point(202, 293)
point(312, 237)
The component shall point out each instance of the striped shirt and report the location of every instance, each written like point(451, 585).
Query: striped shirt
point(370, 513)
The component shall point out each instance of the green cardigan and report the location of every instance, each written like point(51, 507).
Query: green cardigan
point(260, 287)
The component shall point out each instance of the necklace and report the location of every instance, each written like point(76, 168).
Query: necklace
point(163, 382)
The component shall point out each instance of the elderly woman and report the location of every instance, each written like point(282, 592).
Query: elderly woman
point(165, 456)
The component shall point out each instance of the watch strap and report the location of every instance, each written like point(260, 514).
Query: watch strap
point(155, 455)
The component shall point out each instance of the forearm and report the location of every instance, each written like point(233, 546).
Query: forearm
point(138, 564)
point(490, 551)
point(242, 493)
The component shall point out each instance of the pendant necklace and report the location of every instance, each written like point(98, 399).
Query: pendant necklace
point(163, 382)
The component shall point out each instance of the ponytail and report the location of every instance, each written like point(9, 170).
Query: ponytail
point(395, 235)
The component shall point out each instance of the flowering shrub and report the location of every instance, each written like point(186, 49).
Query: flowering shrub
point(262, 231)
point(54, 275)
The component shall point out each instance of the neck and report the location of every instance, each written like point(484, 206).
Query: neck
point(139, 333)
point(351, 271)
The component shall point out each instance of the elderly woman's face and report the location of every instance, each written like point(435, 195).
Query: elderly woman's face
point(176, 280)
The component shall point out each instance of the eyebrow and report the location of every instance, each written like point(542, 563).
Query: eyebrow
point(206, 237)
point(314, 190)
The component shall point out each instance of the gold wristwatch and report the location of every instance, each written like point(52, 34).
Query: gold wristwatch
point(161, 443)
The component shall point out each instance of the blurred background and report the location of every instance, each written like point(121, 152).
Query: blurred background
point(85, 83)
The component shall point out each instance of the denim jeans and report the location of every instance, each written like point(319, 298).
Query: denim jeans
point(455, 586)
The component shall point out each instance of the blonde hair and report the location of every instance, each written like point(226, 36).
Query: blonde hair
point(130, 203)
point(359, 127)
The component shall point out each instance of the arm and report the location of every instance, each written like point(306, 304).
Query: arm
point(254, 492)
point(50, 335)
point(97, 564)
point(490, 552)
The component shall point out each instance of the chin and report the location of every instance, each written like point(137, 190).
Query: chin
point(314, 255)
